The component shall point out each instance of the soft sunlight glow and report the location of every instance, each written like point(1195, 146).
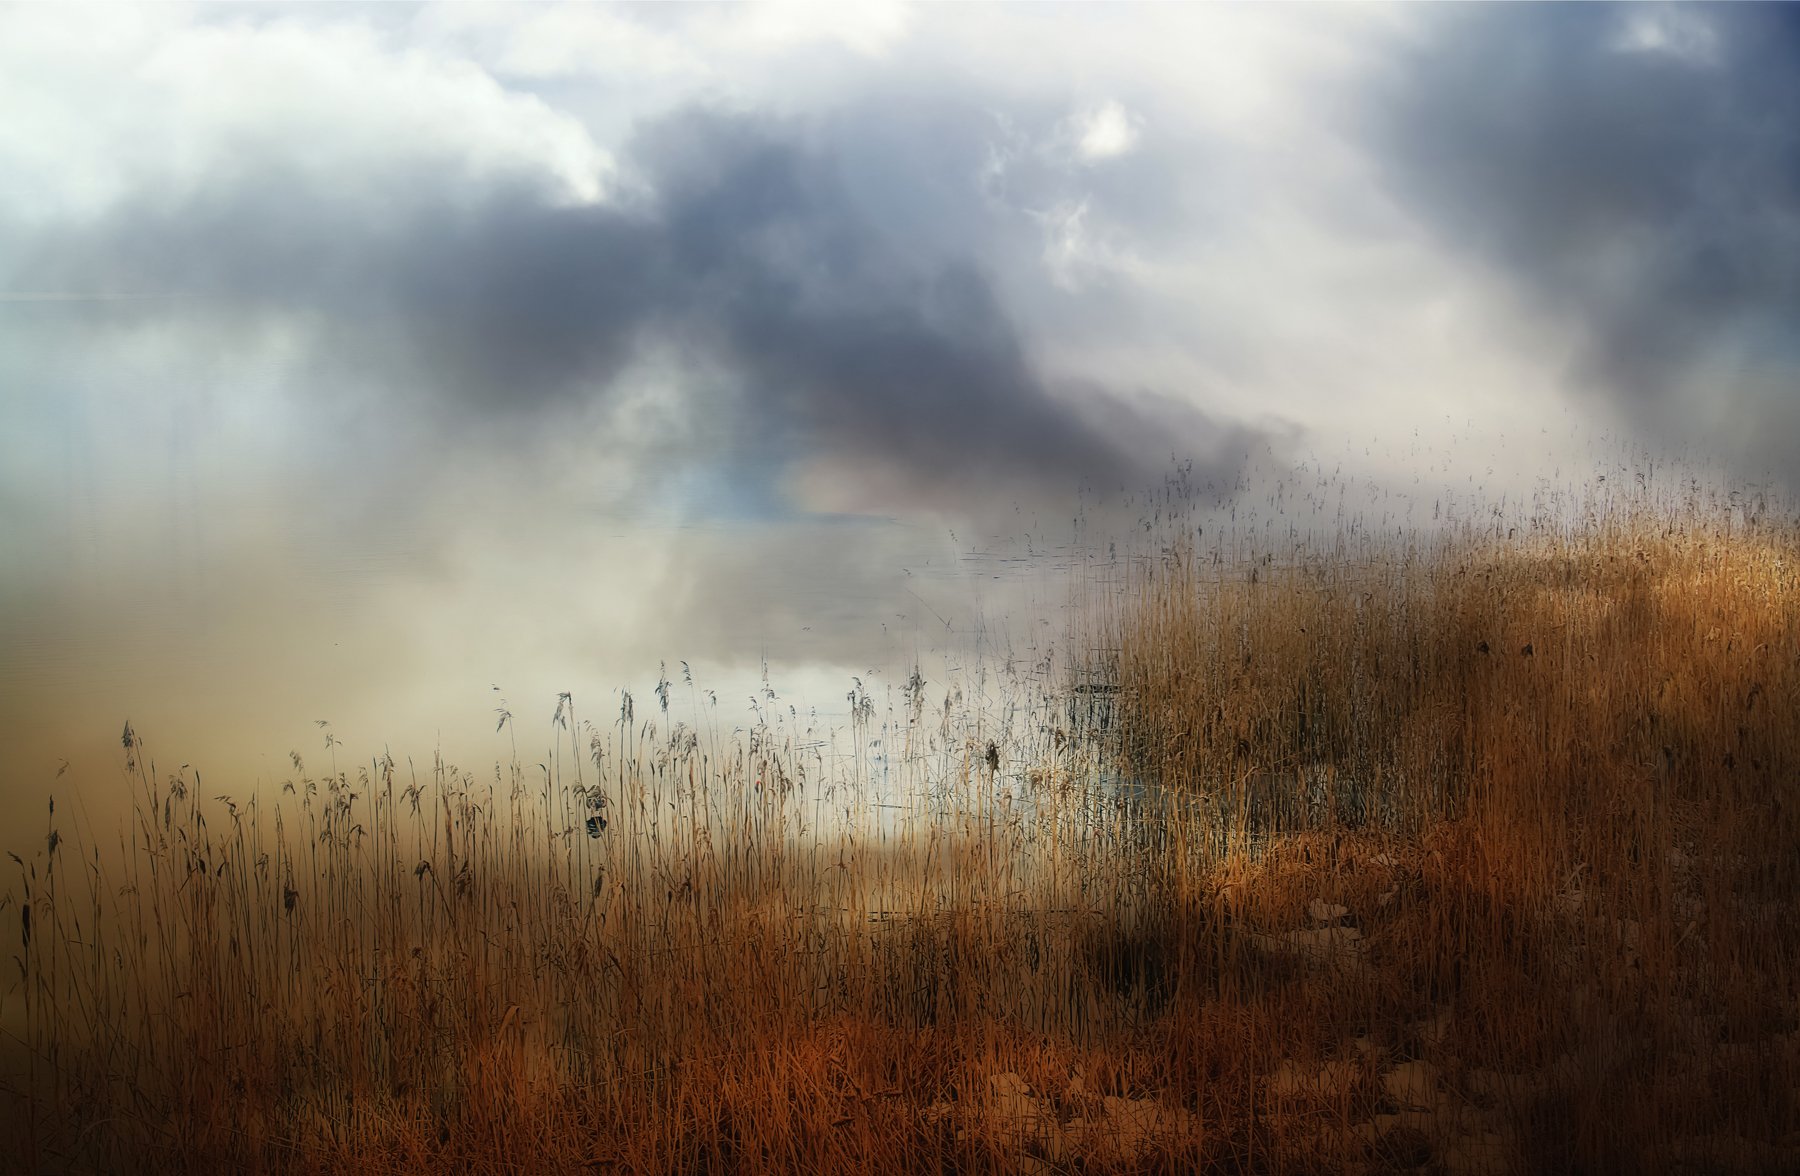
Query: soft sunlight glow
point(1105, 132)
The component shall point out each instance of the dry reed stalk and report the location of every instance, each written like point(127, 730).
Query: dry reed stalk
point(1472, 850)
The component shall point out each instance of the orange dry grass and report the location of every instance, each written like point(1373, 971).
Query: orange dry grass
point(427, 973)
point(1580, 745)
point(1408, 898)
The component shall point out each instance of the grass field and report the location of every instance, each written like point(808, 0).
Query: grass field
point(1464, 850)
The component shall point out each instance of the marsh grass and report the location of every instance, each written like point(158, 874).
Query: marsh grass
point(1342, 879)
point(672, 949)
point(1576, 736)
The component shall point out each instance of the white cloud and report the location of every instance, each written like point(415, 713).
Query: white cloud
point(1105, 132)
point(338, 99)
point(736, 48)
point(1079, 245)
point(564, 41)
point(868, 28)
point(1066, 244)
point(158, 103)
point(1667, 31)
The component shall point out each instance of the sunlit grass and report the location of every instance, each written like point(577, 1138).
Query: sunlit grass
point(1469, 850)
point(1578, 735)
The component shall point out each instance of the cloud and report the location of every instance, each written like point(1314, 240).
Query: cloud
point(449, 333)
point(1635, 174)
point(1104, 132)
point(158, 105)
point(726, 235)
point(1675, 32)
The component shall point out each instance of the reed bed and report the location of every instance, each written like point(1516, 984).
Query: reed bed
point(1576, 730)
point(1463, 851)
point(673, 949)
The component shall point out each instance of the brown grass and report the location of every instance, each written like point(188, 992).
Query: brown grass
point(1578, 743)
point(1567, 940)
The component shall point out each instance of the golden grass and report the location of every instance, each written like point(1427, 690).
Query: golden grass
point(1407, 897)
point(1580, 743)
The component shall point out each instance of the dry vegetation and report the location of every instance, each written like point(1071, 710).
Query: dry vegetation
point(1473, 852)
point(1548, 767)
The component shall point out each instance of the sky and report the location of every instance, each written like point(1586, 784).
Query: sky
point(385, 365)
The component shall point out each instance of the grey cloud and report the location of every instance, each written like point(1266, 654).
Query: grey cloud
point(1650, 193)
point(845, 340)
point(495, 305)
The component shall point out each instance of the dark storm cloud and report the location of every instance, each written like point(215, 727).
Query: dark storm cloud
point(742, 245)
point(1634, 169)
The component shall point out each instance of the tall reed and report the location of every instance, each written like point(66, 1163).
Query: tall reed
point(1580, 727)
point(1468, 850)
